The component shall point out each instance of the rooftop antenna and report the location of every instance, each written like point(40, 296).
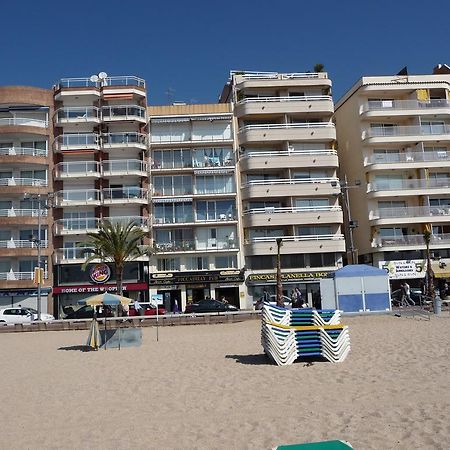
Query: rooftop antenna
point(169, 94)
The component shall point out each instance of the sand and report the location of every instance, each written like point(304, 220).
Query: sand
point(210, 387)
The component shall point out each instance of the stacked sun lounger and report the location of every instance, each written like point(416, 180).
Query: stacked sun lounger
point(290, 334)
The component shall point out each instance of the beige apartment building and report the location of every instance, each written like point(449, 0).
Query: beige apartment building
point(394, 136)
point(287, 178)
point(194, 213)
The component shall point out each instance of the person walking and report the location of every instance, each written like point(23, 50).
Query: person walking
point(137, 308)
point(406, 293)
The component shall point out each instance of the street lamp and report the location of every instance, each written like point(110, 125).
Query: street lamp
point(352, 252)
point(279, 285)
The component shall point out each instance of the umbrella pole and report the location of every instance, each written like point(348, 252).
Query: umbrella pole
point(119, 335)
point(157, 322)
point(105, 332)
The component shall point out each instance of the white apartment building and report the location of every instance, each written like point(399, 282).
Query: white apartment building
point(25, 180)
point(287, 179)
point(194, 215)
point(394, 136)
point(100, 173)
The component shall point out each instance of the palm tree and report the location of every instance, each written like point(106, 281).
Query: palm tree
point(430, 274)
point(319, 67)
point(116, 243)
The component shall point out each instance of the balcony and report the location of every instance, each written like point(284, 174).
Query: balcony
point(219, 219)
point(413, 159)
point(410, 241)
point(19, 276)
point(276, 80)
point(192, 139)
point(290, 187)
point(391, 108)
point(125, 195)
point(317, 104)
point(288, 159)
point(125, 140)
point(409, 133)
point(264, 217)
point(123, 167)
point(66, 227)
point(195, 246)
point(21, 216)
point(324, 243)
point(77, 169)
point(139, 221)
point(71, 255)
point(75, 114)
point(17, 248)
point(279, 132)
point(410, 214)
point(432, 186)
point(23, 122)
point(77, 141)
point(23, 155)
point(22, 212)
point(124, 113)
point(78, 197)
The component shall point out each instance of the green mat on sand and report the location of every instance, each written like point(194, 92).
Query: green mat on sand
point(326, 445)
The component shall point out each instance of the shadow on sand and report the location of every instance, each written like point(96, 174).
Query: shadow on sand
point(253, 360)
point(79, 348)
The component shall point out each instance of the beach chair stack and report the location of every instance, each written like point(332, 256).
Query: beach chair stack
point(291, 334)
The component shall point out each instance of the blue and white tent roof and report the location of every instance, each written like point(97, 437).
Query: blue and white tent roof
point(359, 270)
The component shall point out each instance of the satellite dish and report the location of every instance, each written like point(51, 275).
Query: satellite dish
point(102, 75)
point(94, 78)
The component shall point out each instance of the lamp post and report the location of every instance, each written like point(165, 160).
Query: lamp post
point(279, 285)
point(352, 252)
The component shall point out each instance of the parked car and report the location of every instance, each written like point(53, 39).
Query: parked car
point(206, 306)
point(22, 315)
point(273, 301)
point(415, 294)
point(149, 309)
point(86, 312)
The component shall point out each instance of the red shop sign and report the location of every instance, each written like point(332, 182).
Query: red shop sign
point(88, 288)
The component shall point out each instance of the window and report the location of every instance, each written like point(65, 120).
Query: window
point(432, 127)
point(266, 232)
point(260, 262)
point(216, 210)
point(213, 157)
point(25, 235)
point(226, 262)
point(392, 232)
point(41, 145)
point(386, 155)
point(311, 202)
point(314, 230)
point(292, 261)
point(174, 239)
point(176, 185)
point(36, 174)
point(5, 204)
point(168, 264)
point(197, 263)
point(27, 265)
point(174, 212)
point(322, 260)
point(214, 184)
point(308, 174)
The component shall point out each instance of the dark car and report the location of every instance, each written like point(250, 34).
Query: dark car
point(86, 312)
point(207, 306)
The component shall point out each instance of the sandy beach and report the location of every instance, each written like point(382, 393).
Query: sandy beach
point(211, 387)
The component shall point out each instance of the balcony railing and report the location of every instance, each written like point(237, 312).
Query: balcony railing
point(62, 254)
point(325, 180)
point(35, 182)
point(192, 245)
point(414, 184)
point(78, 140)
point(408, 130)
point(12, 212)
point(76, 113)
point(277, 76)
point(389, 105)
point(125, 112)
point(408, 157)
point(138, 221)
point(287, 153)
point(124, 139)
point(409, 239)
point(410, 212)
point(125, 193)
point(77, 168)
point(109, 81)
point(308, 237)
point(78, 196)
point(23, 151)
point(294, 209)
point(125, 166)
point(190, 138)
point(12, 276)
point(23, 121)
point(91, 224)
point(286, 126)
point(296, 98)
point(13, 243)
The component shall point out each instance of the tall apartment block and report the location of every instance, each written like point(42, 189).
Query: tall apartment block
point(394, 136)
point(25, 179)
point(193, 205)
point(287, 177)
point(100, 173)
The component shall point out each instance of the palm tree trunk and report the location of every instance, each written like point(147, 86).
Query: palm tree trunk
point(119, 279)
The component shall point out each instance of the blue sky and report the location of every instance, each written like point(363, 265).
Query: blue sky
point(189, 47)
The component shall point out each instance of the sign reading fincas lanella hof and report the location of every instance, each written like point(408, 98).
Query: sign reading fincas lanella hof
point(100, 273)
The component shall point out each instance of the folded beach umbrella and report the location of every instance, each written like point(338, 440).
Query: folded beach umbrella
point(94, 339)
point(105, 299)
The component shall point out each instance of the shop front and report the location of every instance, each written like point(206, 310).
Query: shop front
point(307, 282)
point(26, 298)
point(182, 288)
point(73, 284)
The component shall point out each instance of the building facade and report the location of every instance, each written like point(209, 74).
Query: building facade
point(26, 135)
point(287, 175)
point(394, 136)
